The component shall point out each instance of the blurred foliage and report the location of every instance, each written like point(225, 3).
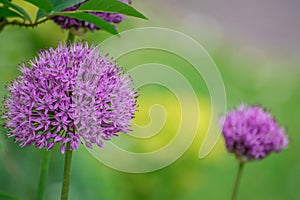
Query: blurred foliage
point(246, 80)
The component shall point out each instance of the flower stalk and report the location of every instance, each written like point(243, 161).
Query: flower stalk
point(237, 181)
point(67, 172)
point(70, 38)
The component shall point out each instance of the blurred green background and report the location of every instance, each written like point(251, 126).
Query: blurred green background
point(258, 65)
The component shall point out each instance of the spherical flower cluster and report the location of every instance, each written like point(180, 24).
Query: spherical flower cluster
point(68, 22)
point(251, 133)
point(70, 94)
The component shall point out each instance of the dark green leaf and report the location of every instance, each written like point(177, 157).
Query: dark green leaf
point(5, 12)
point(59, 5)
point(39, 14)
point(92, 19)
point(45, 5)
point(17, 8)
point(113, 6)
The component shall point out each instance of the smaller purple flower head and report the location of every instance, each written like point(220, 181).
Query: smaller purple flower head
point(251, 133)
point(75, 24)
point(69, 95)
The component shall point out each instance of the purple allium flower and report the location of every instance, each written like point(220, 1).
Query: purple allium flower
point(251, 133)
point(68, 22)
point(69, 94)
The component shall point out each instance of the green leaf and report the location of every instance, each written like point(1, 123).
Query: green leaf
point(92, 19)
point(59, 5)
point(5, 12)
point(17, 8)
point(45, 5)
point(39, 14)
point(113, 6)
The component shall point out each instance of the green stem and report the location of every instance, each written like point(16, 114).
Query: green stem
point(18, 23)
point(237, 181)
point(67, 172)
point(43, 174)
point(33, 24)
point(70, 38)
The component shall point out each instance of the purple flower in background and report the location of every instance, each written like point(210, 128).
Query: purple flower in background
point(68, 22)
point(251, 133)
point(70, 94)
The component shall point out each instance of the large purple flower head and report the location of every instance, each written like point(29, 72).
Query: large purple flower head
point(251, 133)
point(68, 22)
point(70, 94)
